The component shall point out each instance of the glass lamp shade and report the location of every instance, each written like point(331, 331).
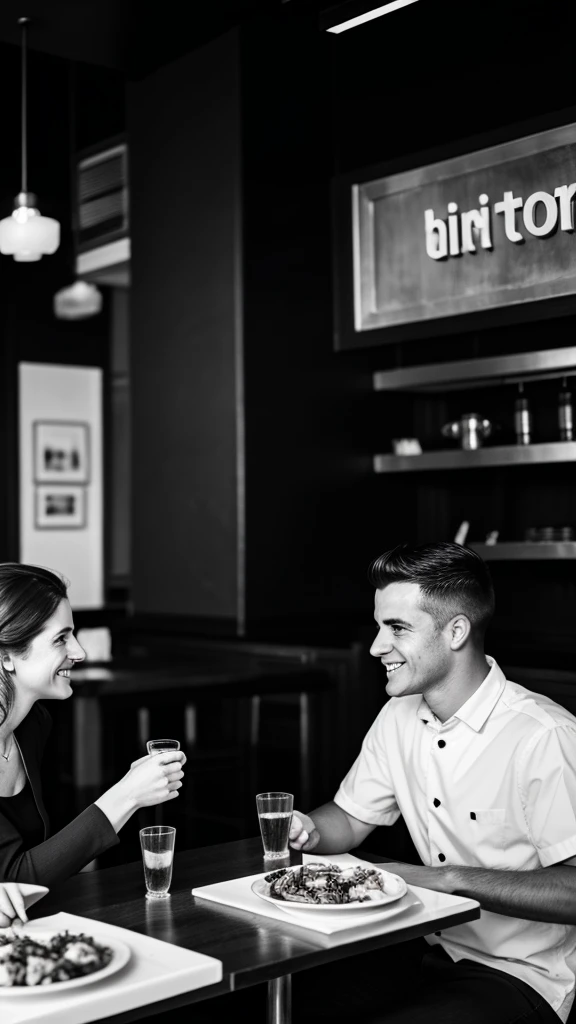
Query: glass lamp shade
point(78, 301)
point(27, 235)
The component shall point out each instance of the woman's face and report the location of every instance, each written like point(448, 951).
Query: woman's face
point(43, 673)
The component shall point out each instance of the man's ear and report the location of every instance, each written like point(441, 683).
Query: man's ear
point(459, 629)
point(6, 661)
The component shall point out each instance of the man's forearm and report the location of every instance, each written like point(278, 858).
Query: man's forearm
point(336, 835)
point(545, 894)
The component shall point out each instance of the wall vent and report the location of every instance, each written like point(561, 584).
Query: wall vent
point(102, 191)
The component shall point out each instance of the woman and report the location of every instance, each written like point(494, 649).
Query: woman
point(38, 651)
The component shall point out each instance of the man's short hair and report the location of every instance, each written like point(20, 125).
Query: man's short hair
point(453, 579)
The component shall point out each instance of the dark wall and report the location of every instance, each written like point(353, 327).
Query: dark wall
point(183, 124)
point(306, 466)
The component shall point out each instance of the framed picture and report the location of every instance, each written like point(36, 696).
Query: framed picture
point(59, 507)
point(61, 452)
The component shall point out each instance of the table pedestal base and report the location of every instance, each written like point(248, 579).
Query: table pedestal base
point(280, 1000)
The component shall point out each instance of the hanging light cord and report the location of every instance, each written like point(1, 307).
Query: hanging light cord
point(24, 23)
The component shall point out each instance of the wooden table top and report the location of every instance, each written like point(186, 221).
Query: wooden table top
point(252, 950)
point(108, 679)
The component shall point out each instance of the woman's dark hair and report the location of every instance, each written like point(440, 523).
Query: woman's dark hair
point(29, 596)
point(453, 579)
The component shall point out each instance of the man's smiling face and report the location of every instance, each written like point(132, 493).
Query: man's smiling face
point(412, 647)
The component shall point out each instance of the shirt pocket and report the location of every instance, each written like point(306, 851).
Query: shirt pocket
point(488, 832)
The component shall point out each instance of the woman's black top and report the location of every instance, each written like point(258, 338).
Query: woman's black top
point(42, 858)
point(20, 810)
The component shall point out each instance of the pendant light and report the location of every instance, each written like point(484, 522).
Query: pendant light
point(82, 299)
point(77, 301)
point(26, 235)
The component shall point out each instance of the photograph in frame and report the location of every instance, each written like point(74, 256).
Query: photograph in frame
point(60, 507)
point(61, 452)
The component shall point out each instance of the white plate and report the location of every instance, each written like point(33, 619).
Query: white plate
point(120, 956)
point(260, 888)
point(31, 893)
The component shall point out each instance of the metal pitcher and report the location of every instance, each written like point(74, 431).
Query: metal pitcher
point(470, 430)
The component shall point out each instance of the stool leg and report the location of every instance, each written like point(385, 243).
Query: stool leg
point(190, 725)
point(143, 727)
point(255, 708)
point(280, 1000)
point(305, 749)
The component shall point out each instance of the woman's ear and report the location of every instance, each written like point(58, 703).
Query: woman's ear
point(6, 661)
point(460, 629)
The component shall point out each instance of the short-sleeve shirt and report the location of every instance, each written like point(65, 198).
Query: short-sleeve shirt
point(492, 787)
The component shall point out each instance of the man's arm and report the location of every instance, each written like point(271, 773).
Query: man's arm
point(328, 829)
point(544, 894)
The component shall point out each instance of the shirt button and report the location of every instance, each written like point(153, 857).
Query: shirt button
point(441, 857)
point(436, 802)
point(441, 743)
point(437, 933)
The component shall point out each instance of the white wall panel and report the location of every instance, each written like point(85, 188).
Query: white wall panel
point(64, 393)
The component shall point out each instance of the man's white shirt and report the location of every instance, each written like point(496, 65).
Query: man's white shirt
point(492, 787)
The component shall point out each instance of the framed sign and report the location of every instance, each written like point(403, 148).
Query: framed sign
point(61, 452)
point(491, 229)
point(60, 507)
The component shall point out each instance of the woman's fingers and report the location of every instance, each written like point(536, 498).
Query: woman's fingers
point(12, 902)
point(17, 899)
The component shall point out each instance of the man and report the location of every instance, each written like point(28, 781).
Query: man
point(484, 773)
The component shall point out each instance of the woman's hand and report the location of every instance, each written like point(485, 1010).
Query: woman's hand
point(154, 778)
point(11, 904)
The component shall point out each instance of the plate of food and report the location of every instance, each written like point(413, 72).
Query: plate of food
point(322, 886)
point(37, 962)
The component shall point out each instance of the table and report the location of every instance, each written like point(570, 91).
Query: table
point(96, 683)
point(251, 951)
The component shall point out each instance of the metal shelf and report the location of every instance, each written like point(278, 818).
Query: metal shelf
point(475, 373)
point(502, 455)
point(510, 551)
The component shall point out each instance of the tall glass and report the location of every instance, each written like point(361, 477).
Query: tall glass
point(157, 842)
point(159, 746)
point(275, 816)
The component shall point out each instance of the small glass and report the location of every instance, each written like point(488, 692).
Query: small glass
point(157, 842)
point(275, 816)
point(159, 746)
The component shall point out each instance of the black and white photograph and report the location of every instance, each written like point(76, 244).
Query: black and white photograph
point(60, 507)
point(288, 512)
point(61, 452)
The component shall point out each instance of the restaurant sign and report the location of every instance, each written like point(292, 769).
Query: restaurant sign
point(486, 230)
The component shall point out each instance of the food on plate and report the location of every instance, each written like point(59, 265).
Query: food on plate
point(327, 883)
point(26, 960)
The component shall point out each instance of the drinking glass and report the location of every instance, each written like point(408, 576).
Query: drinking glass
point(157, 842)
point(275, 816)
point(159, 746)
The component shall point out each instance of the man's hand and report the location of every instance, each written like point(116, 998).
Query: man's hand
point(303, 833)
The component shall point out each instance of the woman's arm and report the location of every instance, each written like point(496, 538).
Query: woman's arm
point(150, 781)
